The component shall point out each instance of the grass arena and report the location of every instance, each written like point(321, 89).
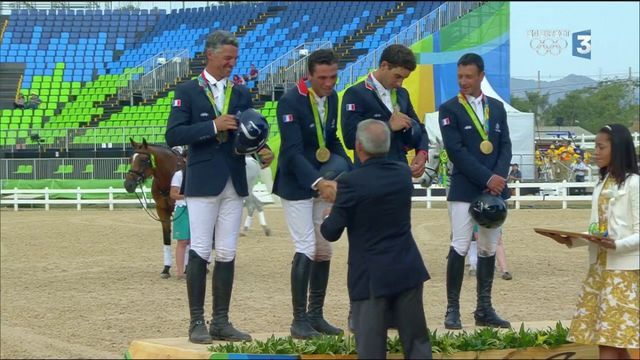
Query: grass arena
point(84, 284)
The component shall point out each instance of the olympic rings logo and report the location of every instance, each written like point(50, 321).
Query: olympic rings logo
point(548, 46)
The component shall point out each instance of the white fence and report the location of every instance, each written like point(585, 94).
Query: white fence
point(552, 192)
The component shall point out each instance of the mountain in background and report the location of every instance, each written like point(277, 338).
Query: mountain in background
point(556, 89)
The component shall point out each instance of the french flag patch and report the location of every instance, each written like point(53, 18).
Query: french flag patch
point(446, 121)
point(351, 107)
point(287, 118)
point(177, 103)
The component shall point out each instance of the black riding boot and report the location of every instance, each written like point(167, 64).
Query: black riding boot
point(485, 315)
point(317, 291)
point(221, 328)
point(300, 269)
point(196, 288)
point(455, 274)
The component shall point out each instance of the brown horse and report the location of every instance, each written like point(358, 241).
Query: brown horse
point(160, 163)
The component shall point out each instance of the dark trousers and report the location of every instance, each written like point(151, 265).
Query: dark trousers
point(369, 317)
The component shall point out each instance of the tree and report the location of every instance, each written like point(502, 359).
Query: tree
point(591, 108)
point(534, 103)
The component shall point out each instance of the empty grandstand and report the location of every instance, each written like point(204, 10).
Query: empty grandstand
point(104, 75)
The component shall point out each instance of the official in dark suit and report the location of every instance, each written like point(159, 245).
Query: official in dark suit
point(307, 117)
point(203, 117)
point(386, 271)
point(381, 96)
point(476, 136)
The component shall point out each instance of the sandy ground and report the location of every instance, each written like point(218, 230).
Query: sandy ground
point(85, 284)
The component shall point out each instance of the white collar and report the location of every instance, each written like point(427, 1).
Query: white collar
point(319, 100)
point(212, 80)
point(475, 100)
point(381, 89)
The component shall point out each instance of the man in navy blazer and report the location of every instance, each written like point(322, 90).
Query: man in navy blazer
point(203, 117)
point(307, 117)
point(386, 271)
point(476, 136)
point(381, 96)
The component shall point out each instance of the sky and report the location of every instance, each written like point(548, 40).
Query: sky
point(614, 45)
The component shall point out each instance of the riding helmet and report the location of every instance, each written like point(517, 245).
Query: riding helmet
point(488, 210)
point(252, 132)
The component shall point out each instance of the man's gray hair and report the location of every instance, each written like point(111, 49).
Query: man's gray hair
point(374, 136)
point(219, 38)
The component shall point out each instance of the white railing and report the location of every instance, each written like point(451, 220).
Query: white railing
point(549, 192)
point(16, 197)
point(552, 192)
point(445, 14)
point(288, 68)
point(158, 71)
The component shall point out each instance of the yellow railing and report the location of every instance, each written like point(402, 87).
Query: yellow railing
point(19, 89)
point(5, 23)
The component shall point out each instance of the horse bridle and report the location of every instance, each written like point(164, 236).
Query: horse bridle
point(147, 163)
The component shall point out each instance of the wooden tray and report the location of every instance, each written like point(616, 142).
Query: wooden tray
point(569, 234)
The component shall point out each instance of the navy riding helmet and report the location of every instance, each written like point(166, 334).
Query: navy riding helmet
point(252, 132)
point(334, 167)
point(488, 210)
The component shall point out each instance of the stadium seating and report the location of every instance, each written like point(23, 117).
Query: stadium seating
point(77, 60)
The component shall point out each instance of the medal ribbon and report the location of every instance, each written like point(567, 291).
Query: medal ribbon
point(316, 117)
point(204, 84)
point(476, 122)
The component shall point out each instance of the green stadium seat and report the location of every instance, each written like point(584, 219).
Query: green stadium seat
point(122, 169)
point(24, 169)
point(64, 169)
point(88, 169)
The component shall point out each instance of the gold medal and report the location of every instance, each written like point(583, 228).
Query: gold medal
point(486, 147)
point(323, 154)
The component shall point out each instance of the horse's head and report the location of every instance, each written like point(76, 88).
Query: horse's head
point(143, 163)
point(431, 168)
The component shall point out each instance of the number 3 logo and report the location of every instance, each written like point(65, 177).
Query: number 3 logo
point(582, 44)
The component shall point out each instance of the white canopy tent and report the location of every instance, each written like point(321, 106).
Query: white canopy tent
point(521, 130)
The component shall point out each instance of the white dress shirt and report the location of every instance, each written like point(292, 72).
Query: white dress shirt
point(476, 105)
point(217, 88)
point(385, 94)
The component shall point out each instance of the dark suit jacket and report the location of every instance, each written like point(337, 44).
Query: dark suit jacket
point(210, 162)
point(361, 102)
point(374, 204)
point(471, 168)
point(297, 164)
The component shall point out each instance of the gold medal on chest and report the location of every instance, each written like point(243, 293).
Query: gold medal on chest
point(486, 147)
point(323, 154)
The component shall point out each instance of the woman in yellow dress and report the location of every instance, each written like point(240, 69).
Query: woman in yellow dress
point(607, 312)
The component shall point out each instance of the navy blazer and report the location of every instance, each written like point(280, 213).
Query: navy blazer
point(471, 168)
point(374, 203)
point(361, 102)
point(298, 167)
point(210, 162)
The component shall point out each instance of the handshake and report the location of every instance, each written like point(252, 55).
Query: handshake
point(327, 190)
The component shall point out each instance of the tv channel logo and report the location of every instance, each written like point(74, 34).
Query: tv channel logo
point(582, 44)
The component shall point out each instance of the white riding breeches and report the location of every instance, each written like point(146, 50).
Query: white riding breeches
point(304, 218)
point(222, 212)
point(462, 229)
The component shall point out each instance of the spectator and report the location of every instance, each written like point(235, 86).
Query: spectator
point(515, 174)
point(19, 103)
point(580, 169)
point(34, 102)
point(253, 73)
point(238, 80)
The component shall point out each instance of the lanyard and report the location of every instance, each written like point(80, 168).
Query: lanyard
point(316, 117)
point(481, 130)
point(394, 94)
point(207, 89)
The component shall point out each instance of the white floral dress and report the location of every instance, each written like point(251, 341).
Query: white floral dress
point(608, 306)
